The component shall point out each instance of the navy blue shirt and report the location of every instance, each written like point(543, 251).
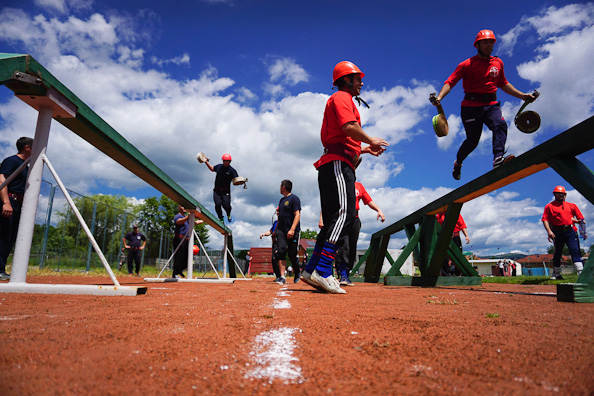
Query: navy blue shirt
point(135, 240)
point(180, 229)
point(287, 207)
point(224, 177)
point(9, 165)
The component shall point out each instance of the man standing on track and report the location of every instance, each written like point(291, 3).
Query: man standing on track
point(288, 230)
point(482, 75)
point(12, 199)
point(136, 243)
point(272, 233)
point(558, 219)
point(345, 258)
point(181, 237)
point(222, 187)
point(341, 136)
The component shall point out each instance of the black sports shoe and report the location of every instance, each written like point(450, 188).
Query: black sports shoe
point(297, 278)
point(457, 170)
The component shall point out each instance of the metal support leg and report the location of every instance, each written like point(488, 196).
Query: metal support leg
point(22, 249)
point(191, 221)
point(225, 257)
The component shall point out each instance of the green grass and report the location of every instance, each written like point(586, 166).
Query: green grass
point(530, 280)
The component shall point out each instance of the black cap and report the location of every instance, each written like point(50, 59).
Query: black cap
point(134, 226)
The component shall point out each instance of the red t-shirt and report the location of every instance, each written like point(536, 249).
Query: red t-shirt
point(479, 76)
point(460, 224)
point(361, 193)
point(340, 109)
point(560, 213)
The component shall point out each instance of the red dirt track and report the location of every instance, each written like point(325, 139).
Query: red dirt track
point(206, 339)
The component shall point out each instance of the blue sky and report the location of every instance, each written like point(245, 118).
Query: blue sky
point(251, 78)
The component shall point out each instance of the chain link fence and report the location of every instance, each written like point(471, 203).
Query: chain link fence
point(60, 243)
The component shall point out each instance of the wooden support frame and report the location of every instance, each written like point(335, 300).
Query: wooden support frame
point(431, 243)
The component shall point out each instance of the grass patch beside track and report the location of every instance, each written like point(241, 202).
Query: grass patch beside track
point(530, 280)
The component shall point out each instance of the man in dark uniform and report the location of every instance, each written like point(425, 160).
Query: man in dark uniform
point(288, 230)
point(272, 233)
point(182, 236)
point(222, 187)
point(136, 243)
point(12, 199)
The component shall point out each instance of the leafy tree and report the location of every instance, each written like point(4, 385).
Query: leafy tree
point(113, 215)
point(309, 234)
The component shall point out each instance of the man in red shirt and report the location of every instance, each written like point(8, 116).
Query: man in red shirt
point(558, 219)
point(341, 136)
point(347, 254)
point(446, 270)
point(482, 75)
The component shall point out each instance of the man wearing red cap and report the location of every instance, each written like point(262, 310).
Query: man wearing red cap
point(341, 137)
point(482, 75)
point(222, 187)
point(558, 219)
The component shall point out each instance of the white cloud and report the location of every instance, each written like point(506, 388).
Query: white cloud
point(564, 47)
point(287, 71)
point(63, 6)
point(178, 60)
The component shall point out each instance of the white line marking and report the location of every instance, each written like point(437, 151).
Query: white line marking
point(273, 357)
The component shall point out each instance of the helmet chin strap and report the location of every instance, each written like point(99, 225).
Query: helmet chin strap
point(352, 92)
point(359, 100)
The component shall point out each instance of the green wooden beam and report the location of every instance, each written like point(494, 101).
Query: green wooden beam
point(576, 173)
point(574, 141)
point(410, 231)
point(460, 261)
point(30, 80)
point(372, 272)
point(445, 236)
point(361, 260)
point(408, 249)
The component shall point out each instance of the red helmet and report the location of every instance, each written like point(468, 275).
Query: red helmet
point(226, 157)
point(345, 68)
point(484, 35)
point(195, 249)
point(559, 189)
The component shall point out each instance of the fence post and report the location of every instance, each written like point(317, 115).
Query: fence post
point(47, 225)
point(90, 248)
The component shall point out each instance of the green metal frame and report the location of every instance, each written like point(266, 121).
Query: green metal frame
point(430, 244)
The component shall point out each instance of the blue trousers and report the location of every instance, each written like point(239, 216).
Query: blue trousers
point(569, 238)
point(474, 118)
point(8, 232)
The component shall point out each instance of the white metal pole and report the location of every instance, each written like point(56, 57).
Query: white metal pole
point(22, 249)
point(225, 257)
point(191, 221)
point(82, 222)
